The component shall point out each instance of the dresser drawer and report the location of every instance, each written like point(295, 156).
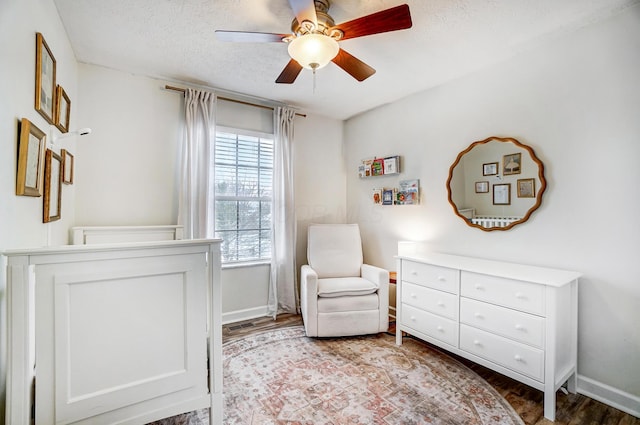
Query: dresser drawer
point(522, 327)
point(514, 294)
point(434, 301)
point(436, 277)
point(518, 357)
point(430, 324)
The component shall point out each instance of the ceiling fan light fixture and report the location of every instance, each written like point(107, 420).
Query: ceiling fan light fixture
point(313, 51)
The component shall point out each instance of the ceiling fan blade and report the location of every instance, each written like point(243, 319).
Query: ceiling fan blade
point(305, 10)
point(249, 37)
point(396, 18)
point(289, 73)
point(354, 66)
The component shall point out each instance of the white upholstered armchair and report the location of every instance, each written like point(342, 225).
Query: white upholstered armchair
point(340, 295)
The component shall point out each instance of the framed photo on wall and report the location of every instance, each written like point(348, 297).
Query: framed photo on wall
point(502, 194)
point(511, 164)
point(377, 196)
point(67, 167)
point(45, 80)
point(482, 187)
point(490, 169)
point(52, 187)
point(31, 148)
point(63, 110)
point(526, 188)
point(387, 196)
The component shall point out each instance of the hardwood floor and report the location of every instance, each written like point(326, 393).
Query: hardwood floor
point(572, 409)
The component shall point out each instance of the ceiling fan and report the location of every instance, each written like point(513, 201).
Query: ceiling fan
point(314, 39)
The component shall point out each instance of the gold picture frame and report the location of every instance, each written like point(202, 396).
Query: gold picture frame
point(502, 194)
point(31, 148)
point(45, 80)
point(512, 164)
point(490, 169)
point(67, 166)
point(52, 187)
point(482, 187)
point(526, 188)
point(63, 110)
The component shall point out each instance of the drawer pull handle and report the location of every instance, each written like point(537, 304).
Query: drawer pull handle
point(479, 316)
point(441, 278)
point(477, 342)
point(413, 272)
point(520, 296)
point(413, 318)
point(440, 303)
point(440, 329)
point(413, 295)
point(479, 287)
point(519, 327)
point(518, 358)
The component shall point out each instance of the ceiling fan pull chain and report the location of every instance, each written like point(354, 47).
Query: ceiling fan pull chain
point(314, 66)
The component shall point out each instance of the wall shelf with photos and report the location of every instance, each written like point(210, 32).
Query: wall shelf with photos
point(379, 166)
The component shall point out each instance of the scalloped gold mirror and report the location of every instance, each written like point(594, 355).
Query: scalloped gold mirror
point(496, 184)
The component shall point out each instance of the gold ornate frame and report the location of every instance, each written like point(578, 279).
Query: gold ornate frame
point(52, 187)
point(45, 80)
point(31, 150)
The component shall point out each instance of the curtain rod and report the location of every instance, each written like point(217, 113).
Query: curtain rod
point(168, 87)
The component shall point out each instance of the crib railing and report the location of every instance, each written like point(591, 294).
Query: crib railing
point(490, 221)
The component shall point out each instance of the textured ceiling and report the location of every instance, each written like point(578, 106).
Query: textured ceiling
point(174, 40)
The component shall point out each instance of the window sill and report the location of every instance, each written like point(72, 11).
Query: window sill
point(246, 264)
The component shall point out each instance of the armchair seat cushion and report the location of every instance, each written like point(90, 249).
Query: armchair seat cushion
point(345, 286)
point(349, 304)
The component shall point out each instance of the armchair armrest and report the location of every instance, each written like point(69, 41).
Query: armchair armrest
point(380, 277)
point(377, 275)
point(309, 299)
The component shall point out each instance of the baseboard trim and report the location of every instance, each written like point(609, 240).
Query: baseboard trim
point(246, 314)
point(609, 395)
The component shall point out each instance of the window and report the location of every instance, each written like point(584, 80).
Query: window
point(243, 191)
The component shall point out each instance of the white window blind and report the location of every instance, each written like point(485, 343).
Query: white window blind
point(243, 193)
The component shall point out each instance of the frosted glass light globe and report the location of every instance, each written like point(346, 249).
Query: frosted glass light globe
point(313, 51)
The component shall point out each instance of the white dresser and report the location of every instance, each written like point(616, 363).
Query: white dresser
point(518, 320)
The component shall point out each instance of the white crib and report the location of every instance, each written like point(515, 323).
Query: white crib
point(89, 235)
point(114, 333)
point(491, 221)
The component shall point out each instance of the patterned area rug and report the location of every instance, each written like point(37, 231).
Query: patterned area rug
point(283, 377)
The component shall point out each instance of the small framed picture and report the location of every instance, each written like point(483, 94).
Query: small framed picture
point(52, 186)
point(490, 169)
point(502, 194)
point(377, 196)
point(511, 164)
point(63, 110)
point(387, 196)
point(482, 187)
point(67, 167)
point(45, 80)
point(526, 188)
point(31, 148)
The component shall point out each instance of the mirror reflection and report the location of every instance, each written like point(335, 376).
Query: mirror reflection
point(496, 183)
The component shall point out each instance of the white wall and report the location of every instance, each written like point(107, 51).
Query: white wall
point(320, 176)
point(126, 169)
point(576, 100)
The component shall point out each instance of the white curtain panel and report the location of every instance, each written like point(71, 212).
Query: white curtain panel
point(283, 289)
point(196, 207)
